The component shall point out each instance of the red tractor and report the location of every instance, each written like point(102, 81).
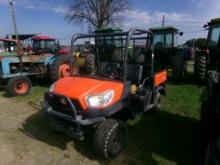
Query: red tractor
point(36, 44)
point(45, 44)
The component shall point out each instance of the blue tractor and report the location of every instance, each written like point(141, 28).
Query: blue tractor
point(18, 66)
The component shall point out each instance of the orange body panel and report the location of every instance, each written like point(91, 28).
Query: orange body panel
point(160, 78)
point(80, 87)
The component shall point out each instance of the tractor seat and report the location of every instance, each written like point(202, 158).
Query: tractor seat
point(134, 72)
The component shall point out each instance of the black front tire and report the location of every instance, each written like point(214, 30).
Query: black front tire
point(18, 86)
point(110, 138)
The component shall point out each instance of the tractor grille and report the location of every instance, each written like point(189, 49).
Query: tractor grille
point(61, 104)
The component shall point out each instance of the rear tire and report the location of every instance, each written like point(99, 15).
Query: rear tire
point(90, 63)
point(200, 67)
point(110, 138)
point(18, 86)
point(61, 67)
point(178, 69)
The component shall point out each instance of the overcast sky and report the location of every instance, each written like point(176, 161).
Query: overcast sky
point(47, 16)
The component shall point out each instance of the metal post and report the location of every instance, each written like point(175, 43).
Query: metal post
point(19, 48)
point(11, 3)
point(163, 22)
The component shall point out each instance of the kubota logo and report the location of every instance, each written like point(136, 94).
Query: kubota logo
point(63, 101)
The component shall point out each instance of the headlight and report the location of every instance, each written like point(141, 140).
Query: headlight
point(101, 99)
point(52, 87)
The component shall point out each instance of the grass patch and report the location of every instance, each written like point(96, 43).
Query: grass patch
point(169, 137)
point(35, 95)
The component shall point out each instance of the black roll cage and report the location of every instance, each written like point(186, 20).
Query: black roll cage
point(129, 35)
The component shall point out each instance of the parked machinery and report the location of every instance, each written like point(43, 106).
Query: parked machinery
point(45, 44)
point(207, 56)
point(167, 52)
point(208, 67)
point(17, 65)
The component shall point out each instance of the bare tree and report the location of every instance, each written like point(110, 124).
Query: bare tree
point(98, 13)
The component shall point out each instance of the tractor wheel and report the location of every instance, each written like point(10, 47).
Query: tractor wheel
point(200, 67)
point(61, 67)
point(18, 86)
point(90, 63)
point(110, 138)
point(178, 66)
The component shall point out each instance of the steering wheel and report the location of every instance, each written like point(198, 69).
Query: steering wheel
point(113, 70)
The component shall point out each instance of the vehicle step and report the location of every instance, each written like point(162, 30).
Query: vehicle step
point(69, 131)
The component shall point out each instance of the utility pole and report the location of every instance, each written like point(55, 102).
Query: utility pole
point(19, 48)
point(12, 4)
point(163, 21)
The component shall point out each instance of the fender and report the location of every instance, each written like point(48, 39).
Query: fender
point(5, 64)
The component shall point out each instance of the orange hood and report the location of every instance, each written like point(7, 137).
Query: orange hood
point(81, 87)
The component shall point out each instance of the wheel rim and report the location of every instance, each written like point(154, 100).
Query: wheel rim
point(21, 87)
point(64, 70)
point(119, 139)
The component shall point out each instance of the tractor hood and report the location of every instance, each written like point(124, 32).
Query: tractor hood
point(80, 88)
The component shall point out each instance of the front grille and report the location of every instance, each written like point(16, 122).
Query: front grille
point(61, 104)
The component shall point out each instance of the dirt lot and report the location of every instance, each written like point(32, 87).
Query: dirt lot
point(25, 140)
point(167, 138)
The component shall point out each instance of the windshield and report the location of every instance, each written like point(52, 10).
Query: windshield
point(163, 40)
point(214, 36)
point(44, 44)
point(158, 40)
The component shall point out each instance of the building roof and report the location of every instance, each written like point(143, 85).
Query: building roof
point(7, 40)
point(20, 36)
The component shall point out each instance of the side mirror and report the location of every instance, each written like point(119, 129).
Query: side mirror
point(205, 26)
point(181, 33)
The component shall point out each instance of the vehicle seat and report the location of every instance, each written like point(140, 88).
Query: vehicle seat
point(134, 73)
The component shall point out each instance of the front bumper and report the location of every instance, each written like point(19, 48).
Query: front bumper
point(77, 119)
point(74, 121)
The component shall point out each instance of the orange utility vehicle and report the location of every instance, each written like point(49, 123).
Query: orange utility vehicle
point(124, 87)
